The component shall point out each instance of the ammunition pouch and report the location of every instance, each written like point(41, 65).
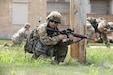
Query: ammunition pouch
point(44, 49)
point(28, 47)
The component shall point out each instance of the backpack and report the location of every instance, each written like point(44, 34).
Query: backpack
point(28, 47)
point(33, 45)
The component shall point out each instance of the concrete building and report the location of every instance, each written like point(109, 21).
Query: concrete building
point(63, 6)
point(101, 8)
point(14, 13)
point(5, 18)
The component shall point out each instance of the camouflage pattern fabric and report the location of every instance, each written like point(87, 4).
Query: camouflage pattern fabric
point(103, 27)
point(61, 50)
point(18, 37)
point(54, 16)
point(31, 41)
point(49, 44)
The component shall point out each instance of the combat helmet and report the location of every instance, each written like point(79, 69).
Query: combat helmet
point(100, 19)
point(27, 24)
point(91, 19)
point(54, 16)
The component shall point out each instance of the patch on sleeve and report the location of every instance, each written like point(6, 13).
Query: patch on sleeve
point(41, 30)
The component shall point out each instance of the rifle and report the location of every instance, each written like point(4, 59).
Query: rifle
point(70, 31)
point(111, 27)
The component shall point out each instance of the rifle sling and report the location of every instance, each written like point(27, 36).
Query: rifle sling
point(78, 40)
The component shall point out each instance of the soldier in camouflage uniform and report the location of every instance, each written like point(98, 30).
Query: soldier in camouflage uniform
point(90, 30)
point(22, 34)
point(50, 43)
point(104, 29)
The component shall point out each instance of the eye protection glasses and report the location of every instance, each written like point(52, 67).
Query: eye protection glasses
point(54, 22)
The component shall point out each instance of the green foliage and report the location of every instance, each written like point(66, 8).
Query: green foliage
point(12, 57)
point(98, 44)
point(13, 62)
point(100, 59)
point(93, 70)
point(2, 41)
point(99, 55)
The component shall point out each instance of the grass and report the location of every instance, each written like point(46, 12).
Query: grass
point(13, 62)
point(2, 41)
point(98, 44)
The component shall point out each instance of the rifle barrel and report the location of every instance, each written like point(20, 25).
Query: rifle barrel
point(82, 36)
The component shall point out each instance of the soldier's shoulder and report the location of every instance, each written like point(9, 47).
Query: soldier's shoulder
point(42, 27)
point(21, 30)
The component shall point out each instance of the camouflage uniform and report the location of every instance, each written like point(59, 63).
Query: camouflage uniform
point(90, 30)
point(103, 27)
point(51, 39)
point(18, 37)
point(93, 22)
point(48, 42)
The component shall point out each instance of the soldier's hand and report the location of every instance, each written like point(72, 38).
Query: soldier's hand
point(71, 37)
point(61, 36)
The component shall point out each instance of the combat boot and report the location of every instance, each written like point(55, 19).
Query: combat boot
point(54, 62)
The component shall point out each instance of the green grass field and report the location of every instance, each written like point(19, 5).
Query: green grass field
point(13, 62)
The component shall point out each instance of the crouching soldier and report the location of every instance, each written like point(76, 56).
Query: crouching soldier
point(104, 28)
point(22, 34)
point(47, 42)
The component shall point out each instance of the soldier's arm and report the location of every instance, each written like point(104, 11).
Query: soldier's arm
point(69, 40)
point(21, 32)
point(109, 30)
point(46, 40)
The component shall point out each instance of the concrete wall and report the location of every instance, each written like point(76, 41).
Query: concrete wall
point(111, 6)
point(5, 18)
point(19, 14)
point(64, 9)
point(37, 12)
point(108, 17)
point(87, 6)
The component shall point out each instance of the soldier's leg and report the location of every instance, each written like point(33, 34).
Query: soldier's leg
point(20, 42)
point(36, 55)
point(105, 39)
point(61, 53)
point(6, 45)
point(13, 44)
